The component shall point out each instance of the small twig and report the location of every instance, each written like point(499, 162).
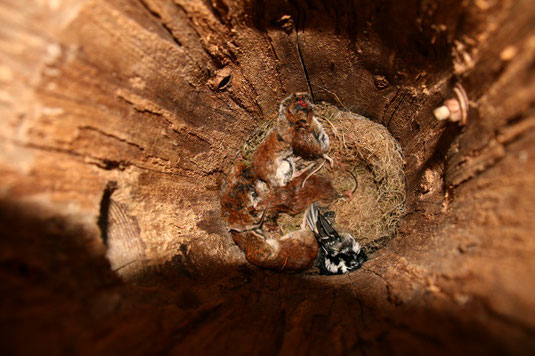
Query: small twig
point(257, 234)
point(333, 94)
point(344, 141)
point(303, 170)
point(262, 218)
point(284, 265)
point(331, 162)
point(356, 182)
point(312, 173)
point(121, 267)
point(335, 130)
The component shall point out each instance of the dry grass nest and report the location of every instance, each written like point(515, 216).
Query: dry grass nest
point(368, 167)
point(368, 164)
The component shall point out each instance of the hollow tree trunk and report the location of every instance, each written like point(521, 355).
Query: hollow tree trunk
point(120, 117)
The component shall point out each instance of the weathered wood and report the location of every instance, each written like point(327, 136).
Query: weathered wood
point(158, 95)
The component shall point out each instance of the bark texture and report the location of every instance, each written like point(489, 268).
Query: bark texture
point(119, 117)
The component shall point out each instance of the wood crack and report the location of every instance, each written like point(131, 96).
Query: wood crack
point(173, 37)
point(489, 156)
point(159, 19)
point(197, 136)
point(401, 100)
point(355, 293)
point(103, 217)
point(102, 163)
point(390, 296)
point(387, 105)
point(270, 43)
point(300, 53)
point(214, 59)
point(112, 136)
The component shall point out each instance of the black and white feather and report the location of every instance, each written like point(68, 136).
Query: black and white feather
point(339, 252)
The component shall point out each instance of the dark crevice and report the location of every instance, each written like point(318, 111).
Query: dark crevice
point(152, 12)
point(160, 20)
point(219, 10)
point(103, 217)
point(301, 22)
point(91, 128)
point(276, 58)
point(200, 138)
point(224, 82)
point(304, 68)
point(104, 163)
point(390, 297)
point(400, 102)
point(108, 164)
point(216, 61)
point(387, 106)
point(173, 37)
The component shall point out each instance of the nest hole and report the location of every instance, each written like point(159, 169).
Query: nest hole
point(368, 170)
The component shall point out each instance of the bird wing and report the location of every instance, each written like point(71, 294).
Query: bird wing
point(319, 224)
point(311, 217)
point(339, 252)
point(326, 230)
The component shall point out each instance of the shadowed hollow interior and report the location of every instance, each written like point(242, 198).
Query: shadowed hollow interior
point(121, 117)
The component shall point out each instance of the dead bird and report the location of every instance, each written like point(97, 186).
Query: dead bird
point(339, 252)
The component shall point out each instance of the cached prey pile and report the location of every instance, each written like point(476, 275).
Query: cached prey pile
point(283, 177)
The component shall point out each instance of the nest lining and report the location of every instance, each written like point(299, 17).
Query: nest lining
point(368, 166)
point(367, 150)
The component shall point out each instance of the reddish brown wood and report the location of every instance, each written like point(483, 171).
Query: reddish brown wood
point(158, 96)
